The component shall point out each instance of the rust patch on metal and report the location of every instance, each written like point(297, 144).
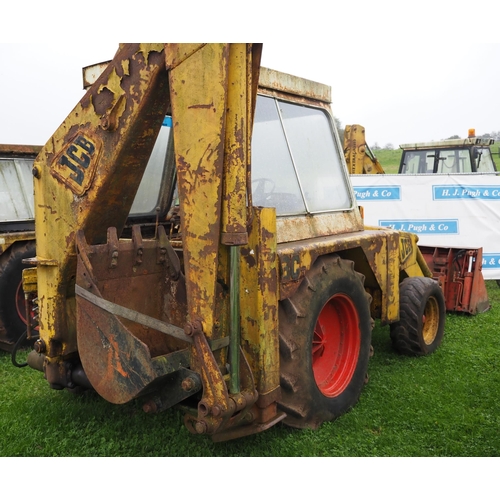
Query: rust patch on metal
point(249, 255)
point(202, 106)
point(20, 151)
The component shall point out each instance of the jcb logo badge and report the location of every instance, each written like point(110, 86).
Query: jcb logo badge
point(405, 247)
point(76, 164)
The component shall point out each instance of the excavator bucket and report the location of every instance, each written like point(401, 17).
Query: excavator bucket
point(130, 294)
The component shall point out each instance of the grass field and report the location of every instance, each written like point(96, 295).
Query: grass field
point(389, 159)
point(443, 405)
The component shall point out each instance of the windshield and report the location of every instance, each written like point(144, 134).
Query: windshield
point(484, 160)
point(16, 189)
point(296, 165)
point(453, 161)
point(417, 162)
point(148, 194)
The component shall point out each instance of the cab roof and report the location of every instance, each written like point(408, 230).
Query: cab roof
point(470, 141)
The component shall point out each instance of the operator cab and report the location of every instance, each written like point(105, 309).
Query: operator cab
point(297, 163)
point(298, 166)
point(454, 156)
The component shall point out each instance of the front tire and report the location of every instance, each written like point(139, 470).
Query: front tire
point(325, 337)
point(422, 316)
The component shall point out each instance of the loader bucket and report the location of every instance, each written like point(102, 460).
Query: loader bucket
point(459, 272)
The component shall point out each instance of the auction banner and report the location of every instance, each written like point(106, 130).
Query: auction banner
point(451, 211)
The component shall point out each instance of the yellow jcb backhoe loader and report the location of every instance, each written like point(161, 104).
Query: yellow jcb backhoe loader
point(251, 299)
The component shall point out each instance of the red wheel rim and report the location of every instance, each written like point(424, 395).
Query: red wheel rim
point(21, 303)
point(336, 345)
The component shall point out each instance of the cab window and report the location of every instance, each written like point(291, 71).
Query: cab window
point(296, 164)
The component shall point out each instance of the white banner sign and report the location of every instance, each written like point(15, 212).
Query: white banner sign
point(457, 211)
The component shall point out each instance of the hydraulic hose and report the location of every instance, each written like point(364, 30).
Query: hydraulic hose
point(16, 347)
point(234, 346)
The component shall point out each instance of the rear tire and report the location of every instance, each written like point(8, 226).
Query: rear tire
point(12, 302)
point(422, 314)
point(325, 338)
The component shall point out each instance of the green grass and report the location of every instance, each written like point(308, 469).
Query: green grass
point(389, 159)
point(446, 404)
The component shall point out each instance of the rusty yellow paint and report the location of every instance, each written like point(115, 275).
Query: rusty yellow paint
point(259, 301)
point(415, 270)
point(113, 83)
point(390, 303)
point(83, 179)
point(411, 260)
point(381, 256)
point(111, 118)
point(218, 107)
point(236, 154)
point(29, 280)
point(126, 67)
point(176, 53)
point(88, 173)
point(200, 99)
point(214, 388)
point(7, 239)
point(300, 228)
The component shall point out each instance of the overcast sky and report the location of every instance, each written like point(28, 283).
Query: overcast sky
point(433, 75)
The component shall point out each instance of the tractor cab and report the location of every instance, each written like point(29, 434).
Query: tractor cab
point(452, 156)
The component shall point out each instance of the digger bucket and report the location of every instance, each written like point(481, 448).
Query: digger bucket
point(130, 294)
point(459, 271)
